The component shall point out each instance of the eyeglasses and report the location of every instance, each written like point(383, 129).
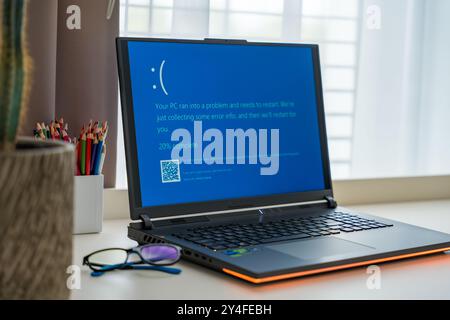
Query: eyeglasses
point(156, 256)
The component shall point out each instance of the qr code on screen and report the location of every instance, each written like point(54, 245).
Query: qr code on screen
point(170, 171)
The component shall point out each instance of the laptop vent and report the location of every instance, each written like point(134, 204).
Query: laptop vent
point(150, 239)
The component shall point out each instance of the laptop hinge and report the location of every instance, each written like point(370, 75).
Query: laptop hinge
point(242, 210)
point(332, 204)
point(147, 222)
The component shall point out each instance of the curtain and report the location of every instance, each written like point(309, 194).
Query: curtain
point(190, 18)
point(401, 120)
point(434, 135)
point(41, 35)
point(86, 73)
point(388, 87)
point(72, 44)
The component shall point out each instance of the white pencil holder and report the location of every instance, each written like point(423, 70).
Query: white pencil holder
point(88, 214)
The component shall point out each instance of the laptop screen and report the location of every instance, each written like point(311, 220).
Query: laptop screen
point(215, 121)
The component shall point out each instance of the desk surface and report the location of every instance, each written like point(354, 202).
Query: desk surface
point(418, 278)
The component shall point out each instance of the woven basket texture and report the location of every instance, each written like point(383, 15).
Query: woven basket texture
point(36, 220)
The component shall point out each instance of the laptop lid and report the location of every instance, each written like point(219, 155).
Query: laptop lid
point(221, 125)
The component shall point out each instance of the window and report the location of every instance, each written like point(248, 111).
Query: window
point(333, 24)
point(382, 66)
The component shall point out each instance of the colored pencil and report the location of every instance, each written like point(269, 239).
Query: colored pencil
point(102, 160)
point(57, 136)
point(39, 130)
point(90, 146)
point(47, 129)
point(98, 155)
point(65, 136)
point(88, 154)
point(94, 154)
point(77, 155)
point(44, 129)
point(83, 155)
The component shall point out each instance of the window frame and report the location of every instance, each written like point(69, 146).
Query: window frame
point(346, 192)
point(292, 14)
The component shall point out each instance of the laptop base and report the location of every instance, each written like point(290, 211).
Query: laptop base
point(261, 264)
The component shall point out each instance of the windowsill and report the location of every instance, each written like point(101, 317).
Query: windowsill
point(347, 192)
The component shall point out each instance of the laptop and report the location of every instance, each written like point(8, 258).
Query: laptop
point(227, 157)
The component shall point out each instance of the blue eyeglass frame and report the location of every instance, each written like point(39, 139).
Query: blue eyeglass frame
point(99, 269)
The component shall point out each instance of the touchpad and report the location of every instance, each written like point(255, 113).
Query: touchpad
point(319, 248)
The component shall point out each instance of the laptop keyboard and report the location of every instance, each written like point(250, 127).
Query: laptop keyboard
point(233, 236)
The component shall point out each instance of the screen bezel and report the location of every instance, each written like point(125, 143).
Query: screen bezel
point(134, 186)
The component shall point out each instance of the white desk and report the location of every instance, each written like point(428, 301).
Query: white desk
point(419, 278)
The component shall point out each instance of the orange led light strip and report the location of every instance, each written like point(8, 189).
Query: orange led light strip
point(335, 268)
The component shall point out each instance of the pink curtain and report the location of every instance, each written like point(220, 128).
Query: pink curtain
point(72, 43)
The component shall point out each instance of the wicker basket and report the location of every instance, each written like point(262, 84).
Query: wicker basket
point(36, 213)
